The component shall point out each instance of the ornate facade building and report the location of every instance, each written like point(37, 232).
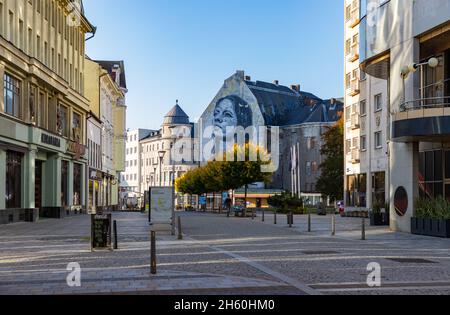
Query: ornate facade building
point(43, 108)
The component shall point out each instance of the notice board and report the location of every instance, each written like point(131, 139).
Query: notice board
point(161, 205)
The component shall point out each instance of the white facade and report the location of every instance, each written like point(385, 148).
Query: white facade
point(366, 123)
point(398, 34)
point(131, 178)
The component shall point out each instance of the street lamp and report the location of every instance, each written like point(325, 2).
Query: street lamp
point(432, 63)
point(161, 157)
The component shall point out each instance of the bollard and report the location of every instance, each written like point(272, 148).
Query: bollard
point(289, 219)
point(180, 234)
point(153, 253)
point(363, 230)
point(309, 222)
point(115, 234)
point(333, 225)
point(228, 214)
point(275, 217)
point(253, 214)
point(263, 216)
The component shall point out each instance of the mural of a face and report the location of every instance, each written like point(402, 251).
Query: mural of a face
point(225, 115)
point(232, 111)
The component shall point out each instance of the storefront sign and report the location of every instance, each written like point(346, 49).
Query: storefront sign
point(50, 140)
point(76, 149)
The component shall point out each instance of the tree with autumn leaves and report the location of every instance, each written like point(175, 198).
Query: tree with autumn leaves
point(239, 168)
point(331, 181)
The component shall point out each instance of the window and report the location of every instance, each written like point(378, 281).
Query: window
point(30, 41)
point(315, 167)
point(32, 105)
point(21, 36)
point(348, 44)
point(42, 111)
point(355, 143)
point(363, 143)
point(13, 180)
point(378, 102)
point(38, 47)
point(348, 113)
point(308, 168)
point(348, 146)
point(64, 182)
point(76, 184)
point(62, 121)
point(362, 108)
point(311, 143)
point(77, 128)
point(348, 13)
point(12, 95)
point(11, 26)
point(378, 141)
point(348, 78)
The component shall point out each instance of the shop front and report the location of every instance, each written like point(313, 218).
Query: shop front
point(41, 174)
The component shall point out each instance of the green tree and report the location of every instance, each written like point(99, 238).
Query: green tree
point(331, 181)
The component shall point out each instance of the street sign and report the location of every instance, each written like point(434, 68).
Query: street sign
point(161, 205)
point(101, 231)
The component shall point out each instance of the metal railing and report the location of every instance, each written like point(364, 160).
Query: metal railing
point(426, 103)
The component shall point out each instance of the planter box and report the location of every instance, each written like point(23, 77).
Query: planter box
point(379, 219)
point(430, 227)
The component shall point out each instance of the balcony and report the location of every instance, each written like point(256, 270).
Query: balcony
point(354, 87)
point(354, 54)
point(355, 121)
point(426, 119)
point(355, 156)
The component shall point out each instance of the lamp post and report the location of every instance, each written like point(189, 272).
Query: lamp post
point(161, 157)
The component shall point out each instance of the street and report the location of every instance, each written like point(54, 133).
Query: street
point(220, 255)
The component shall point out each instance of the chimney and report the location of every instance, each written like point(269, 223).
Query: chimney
point(248, 78)
point(333, 101)
point(295, 87)
point(240, 74)
point(276, 82)
point(116, 73)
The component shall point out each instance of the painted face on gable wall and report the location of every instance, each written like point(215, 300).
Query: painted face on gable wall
point(232, 111)
point(225, 115)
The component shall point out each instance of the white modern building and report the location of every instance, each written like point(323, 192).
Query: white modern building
point(406, 44)
point(365, 129)
point(130, 193)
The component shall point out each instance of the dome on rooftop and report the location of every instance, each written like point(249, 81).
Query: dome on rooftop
point(176, 116)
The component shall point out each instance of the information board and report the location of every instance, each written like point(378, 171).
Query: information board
point(101, 231)
point(161, 205)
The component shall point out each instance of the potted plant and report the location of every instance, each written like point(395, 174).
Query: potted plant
point(432, 217)
point(377, 216)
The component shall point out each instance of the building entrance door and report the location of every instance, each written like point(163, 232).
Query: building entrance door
point(38, 185)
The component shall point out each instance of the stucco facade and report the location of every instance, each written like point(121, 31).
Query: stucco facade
point(43, 110)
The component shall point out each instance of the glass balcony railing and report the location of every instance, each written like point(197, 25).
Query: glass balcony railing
point(426, 103)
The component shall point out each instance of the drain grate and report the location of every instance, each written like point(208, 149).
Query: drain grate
point(412, 260)
point(320, 252)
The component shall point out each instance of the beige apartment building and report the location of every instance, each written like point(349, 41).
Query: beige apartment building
point(366, 150)
point(43, 109)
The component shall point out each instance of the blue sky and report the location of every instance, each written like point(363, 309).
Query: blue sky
point(185, 49)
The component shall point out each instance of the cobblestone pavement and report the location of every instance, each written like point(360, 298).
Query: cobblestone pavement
point(221, 255)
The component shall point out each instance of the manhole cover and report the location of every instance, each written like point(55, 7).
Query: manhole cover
point(412, 261)
point(320, 252)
